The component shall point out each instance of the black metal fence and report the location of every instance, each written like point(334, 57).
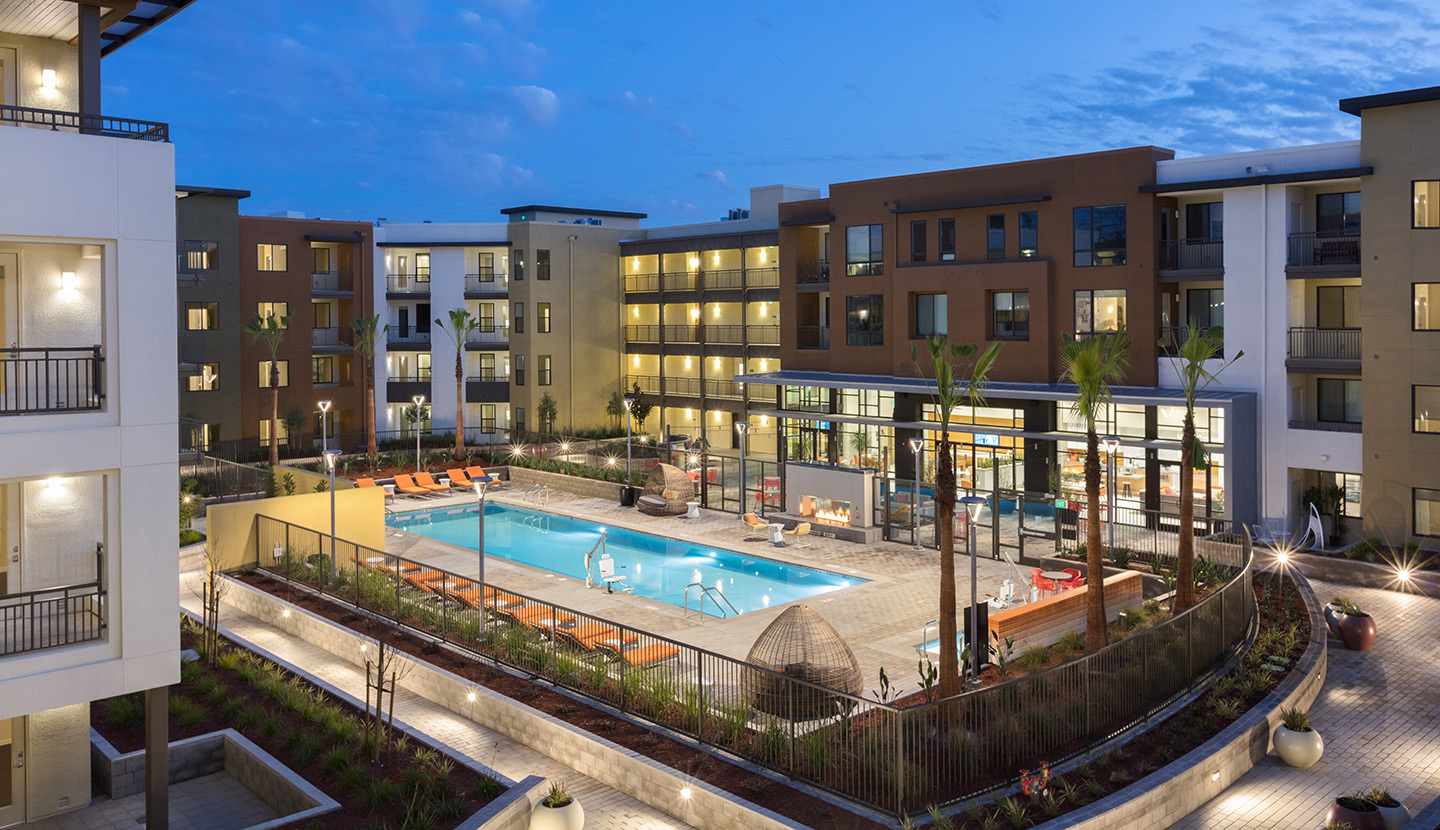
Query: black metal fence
point(889, 758)
point(52, 617)
point(220, 479)
point(103, 125)
point(1192, 253)
point(1324, 344)
point(1313, 249)
point(37, 380)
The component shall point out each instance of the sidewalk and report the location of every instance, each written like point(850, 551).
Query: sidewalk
point(1379, 715)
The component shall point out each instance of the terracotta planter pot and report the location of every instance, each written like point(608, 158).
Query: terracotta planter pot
point(572, 817)
point(1395, 817)
point(1298, 749)
point(1332, 619)
point(1357, 631)
point(1359, 820)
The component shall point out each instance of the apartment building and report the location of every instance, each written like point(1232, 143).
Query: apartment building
point(88, 579)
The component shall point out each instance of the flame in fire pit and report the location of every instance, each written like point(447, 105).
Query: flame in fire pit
point(837, 516)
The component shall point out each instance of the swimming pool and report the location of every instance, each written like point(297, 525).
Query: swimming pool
point(656, 567)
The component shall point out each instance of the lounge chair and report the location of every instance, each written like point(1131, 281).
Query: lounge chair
point(459, 479)
point(405, 484)
point(426, 481)
point(754, 521)
point(370, 482)
point(640, 657)
point(802, 529)
point(479, 472)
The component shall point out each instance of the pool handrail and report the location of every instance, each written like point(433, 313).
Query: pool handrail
point(712, 590)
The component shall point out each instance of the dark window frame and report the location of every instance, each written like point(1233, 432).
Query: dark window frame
point(542, 263)
point(212, 311)
point(1342, 289)
point(518, 265)
point(487, 421)
point(1436, 208)
point(873, 332)
point(874, 264)
point(1034, 250)
point(1414, 399)
point(1344, 230)
point(991, 251)
point(920, 252)
point(1124, 295)
point(1014, 327)
point(517, 318)
point(915, 316)
point(544, 370)
point(947, 253)
point(264, 374)
point(1415, 513)
point(542, 318)
point(1414, 300)
point(1345, 414)
point(519, 370)
point(1091, 253)
point(315, 361)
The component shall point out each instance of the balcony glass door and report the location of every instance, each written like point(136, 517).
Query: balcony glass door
point(10, 538)
point(12, 771)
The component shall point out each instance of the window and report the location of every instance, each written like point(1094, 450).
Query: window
point(864, 251)
point(322, 260)
point(422, 267)
point(542, 318)
point(1339, 400)
point(519, 318)
point(487, 418)
point(487, 367)
point(542, 370)
point(1010, 313)
point(865, 320)
point(1205, 221)
point(995, 236)
point(1099, 311)
point(202, 316)
point(1427, 205)
point(485, 265)
point(1350, 483)
point(917, 241)
point(280, 311)
point(269, 257)
point(422, 366)
point(519, 370)
point(947, 240)
point(264, 432)
point(930, 316)
point(542, 264)
point(264, 374)
point(1337, 307)
point(1337, 213)
point(519, 419)
point(1205, 307)
point(322, 315)
point(519, 264)
point(1029, 234)
point(1100, 235)
point(487, 317)
point(322, 370)
point(1427, 294)
point(201, 255)
point(208, 380)
point(1427, 408)
point(1427, 512)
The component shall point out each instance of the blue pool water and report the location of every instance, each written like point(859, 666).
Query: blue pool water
point(654, 566)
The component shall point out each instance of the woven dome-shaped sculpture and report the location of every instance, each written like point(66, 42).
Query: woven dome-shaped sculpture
point(800, 644)
point(669, 484)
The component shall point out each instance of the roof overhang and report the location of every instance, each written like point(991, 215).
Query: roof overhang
point(1251, 181)
point(121, 21)
point(182, 191)
point(1355, 106)
point(477, 243)
point(618, 214)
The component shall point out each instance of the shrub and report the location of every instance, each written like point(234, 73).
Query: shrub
point(487, 788)
point(1295, 719)
point(126, 711)
point(1071, 641)
point(1121, 557)
point(1034, 657)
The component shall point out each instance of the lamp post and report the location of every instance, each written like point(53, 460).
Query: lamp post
point(628, 499)
point(419, 402)
point(480, 483)
point(916, 445)
point(973, 505)
point(331, 456)
point(742, 427)
point(1111, 445)
point(324, 433)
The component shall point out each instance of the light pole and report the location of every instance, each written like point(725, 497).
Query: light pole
point(741, 427)
point(1111, 445)
point(331, 456)
point(324, 437)
point(480, 483)
point(973, 505)
point(419, 402)
point(628, 499)
point(916, 445)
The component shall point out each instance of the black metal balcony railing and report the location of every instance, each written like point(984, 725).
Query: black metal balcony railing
point(723, 279)
point(1325, 344)
point(724, 334)
point(1327, 426)
point(763, 393)
point(103, 125)
point(407, 284)
point(329, 337)
point(1310, 249)
point(764, 335)
point(682, 334)
point(717, 388)
point(1172, 339)
point(642, 282)
point(1185, 254)
point(488, 335)
point(687, 281)
point(689, 387)
point(649, 384)
point(332, 281)
point(52, 617)
point(489, 282)
point(193, 257)
point(51, 380)
point(490, 375)
point(762, 278)
point(812, 271)
point(418, 378)
point(642, 334)
point(812, 337)
point(410, 337)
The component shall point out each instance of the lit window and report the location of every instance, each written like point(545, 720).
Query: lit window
point(270, 257)
point(202, 316)
point(264, 373)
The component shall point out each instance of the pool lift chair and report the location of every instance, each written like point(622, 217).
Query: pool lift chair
point(1007, 590)
point(610, 578)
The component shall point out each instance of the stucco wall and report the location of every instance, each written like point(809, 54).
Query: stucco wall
point(359, 517)
point(57, 754)
point(36, 54)
point(62, 519)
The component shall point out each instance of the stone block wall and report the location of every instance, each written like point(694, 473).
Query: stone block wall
point(523, 477)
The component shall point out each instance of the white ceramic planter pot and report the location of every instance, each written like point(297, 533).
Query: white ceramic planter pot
point(569, 817)
point(1395, 817)
point(1298, 749)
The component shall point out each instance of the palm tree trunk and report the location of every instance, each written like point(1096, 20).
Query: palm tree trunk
point(1185, 565)
point(945, 516)
point(274, 413)
point(459, 405)
point(1096, 636)
point(371, 448)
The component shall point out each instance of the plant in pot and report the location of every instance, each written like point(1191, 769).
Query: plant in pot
point(1357, 628)
point(1296, 742)
point(558, 810)
point(1394, 813)
point(1354, 810)
point(1333, 611)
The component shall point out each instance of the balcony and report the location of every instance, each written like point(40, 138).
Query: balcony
point(764, 335)
point(642, 334)
point(763, 393)
point(687, 387)
point(102, 125)
point(723, 279)
point(649, 384)
point(408, 339)
point(193, 259)
point(812, 337)
point(488, 284)
point(812, 272)
point(642, 283)
point(1200, 258)
point(53, 617)
point(1323, 255)
point(330, 338)
point(687, 281)
point(404, 388)
point(716, 388)
point(682, 334)
point(1335, 351)
point(489, 336)
point(487, 388)
point(734, 335)
point(400, 286)
point(1173, 339)
point(332, 283)
point(762, 278)
point(40, 380)
point(1327, 426)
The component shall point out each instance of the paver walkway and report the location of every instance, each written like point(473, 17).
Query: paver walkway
point(210, 802)
point(1379, 714)
point(605, 808)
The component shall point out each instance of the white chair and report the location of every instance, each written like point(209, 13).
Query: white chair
point(610, 578)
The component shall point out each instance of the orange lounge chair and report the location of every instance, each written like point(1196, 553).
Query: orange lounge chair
point(370, 482)
point(459, 479)
point(754, 521)
point(640, 657)
point(536, 613)
point(406, 484)
point(584, 637)
point(479, 472)
point(426, 481)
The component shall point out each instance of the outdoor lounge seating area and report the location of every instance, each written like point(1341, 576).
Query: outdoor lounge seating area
point(668, 490)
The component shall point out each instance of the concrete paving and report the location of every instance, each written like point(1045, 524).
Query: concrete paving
point(210, 802)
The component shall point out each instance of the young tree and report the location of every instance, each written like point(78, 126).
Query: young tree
point(1199, 348)
point(1092, 364)
point(615, 408)
point(961, 372)
point(270, 333)
point(640, 407)
point(461, 325)
point(367, 330)
point(294, 421)
point(547, 411)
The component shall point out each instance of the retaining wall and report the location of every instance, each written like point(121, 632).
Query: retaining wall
point(523, 477)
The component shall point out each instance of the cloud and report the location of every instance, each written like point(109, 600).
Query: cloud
point(539, 105)
point(718, 177)
point(630, 102)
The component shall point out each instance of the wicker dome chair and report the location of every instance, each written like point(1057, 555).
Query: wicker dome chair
point(800, 644)
point(666, 491)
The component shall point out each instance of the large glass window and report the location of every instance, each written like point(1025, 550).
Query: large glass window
point(322, 370)
point(542, 264)
point(1426, 402)
point(1427, 205)
point(519, 370)
point(1029, 234)
point(1100, 235)
point(995, 236)
point(917, 241)
point(422, 267)
point(1350, 483)
point(519, 318)
point(280, 311)
point(542, 370)
point(1337, 307)
point(1427, 306)
point(1205, 307)
point(487, 418)
point(865, 320)
point(202, 316)
point(269, 257)
point(1338, 400)
point(264, 432)
point(864, 251)
point(202, 255)
point(542, 318)
point(1010, 313)
point(519, 419)
point(947, 240)
point(1427, 512)
point(485, 266)
point(1205, 221)
point(930, 315)
point(264, 374)
point(322, 260)
point(1337, 213)
point(1099, 310)
point(208, 380)
point(322, 315)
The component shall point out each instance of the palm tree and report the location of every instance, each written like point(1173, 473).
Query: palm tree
point(1092, 364)
point(270, 333)
point(461, 325)
point(367, 331)
point(1189, 365)
point(954, 365)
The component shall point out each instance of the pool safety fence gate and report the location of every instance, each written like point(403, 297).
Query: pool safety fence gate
point(889, 759)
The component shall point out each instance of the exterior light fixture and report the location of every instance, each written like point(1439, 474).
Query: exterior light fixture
point(1215, 776)
point(716, 259)
point(763, 254)
point(973, 505)
point(285, 613)
point(1403, 574)
point(67, 280)
point(636, 361)
point(1112, 444)
point(47, 79)
point(470, 696)
point(687, 362)
point(685, 793)
point(564, 447)
point(610, 461)
point(916, 445)
point(694, 262)
point(635, 264)
point(694, 314)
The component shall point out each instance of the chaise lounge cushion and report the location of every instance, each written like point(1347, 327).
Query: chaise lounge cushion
point(652, 502)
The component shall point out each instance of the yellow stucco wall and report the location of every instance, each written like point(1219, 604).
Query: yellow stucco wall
point(359, 517)
point(305, 480)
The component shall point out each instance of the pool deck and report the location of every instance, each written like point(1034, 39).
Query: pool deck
point(882, 619)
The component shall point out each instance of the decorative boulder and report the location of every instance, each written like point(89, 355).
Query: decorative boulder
point(802, 645)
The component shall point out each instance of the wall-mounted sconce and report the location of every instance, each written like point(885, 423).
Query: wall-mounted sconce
point(47, 79)
point(67, 281)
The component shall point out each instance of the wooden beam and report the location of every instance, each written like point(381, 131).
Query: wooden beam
point(118, 12)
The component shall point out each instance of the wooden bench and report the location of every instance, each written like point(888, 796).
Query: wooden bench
point(1042, 622)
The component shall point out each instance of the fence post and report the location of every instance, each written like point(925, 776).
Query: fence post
point(895, 718)
point(700, 683)
point(790, 693)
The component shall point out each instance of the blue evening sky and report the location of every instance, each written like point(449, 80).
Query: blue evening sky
point(450, 110)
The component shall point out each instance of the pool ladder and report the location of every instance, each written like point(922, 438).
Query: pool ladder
point(715, 596)
point(537, 496)
point(934, 625)
point(538, 522)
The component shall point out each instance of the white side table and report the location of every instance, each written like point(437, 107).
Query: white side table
point(694, 510)
point(776, 531)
